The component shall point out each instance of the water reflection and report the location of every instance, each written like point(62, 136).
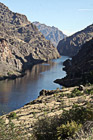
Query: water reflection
point(16, 93)
point(5, 90)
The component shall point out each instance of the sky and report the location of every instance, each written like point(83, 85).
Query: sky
point(69, 16)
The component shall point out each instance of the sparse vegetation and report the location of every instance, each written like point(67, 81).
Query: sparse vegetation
point(10, 131)
point(10, 73)
point(68, 130)
point(75, 92)
point(12, 115)
point(67, 126)
point(61, 118)
point(89, 91)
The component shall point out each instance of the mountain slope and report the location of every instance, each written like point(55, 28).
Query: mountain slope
point(80, 68)
point(23, 41)
point(71, 45)
point(50, 33)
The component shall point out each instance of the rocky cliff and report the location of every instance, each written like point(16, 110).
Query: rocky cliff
point(72, 44)
point(50, 33)
point(21, 44)
point(9, 65)
point(80, 68)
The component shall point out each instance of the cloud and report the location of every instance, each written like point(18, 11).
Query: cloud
point(85, 9)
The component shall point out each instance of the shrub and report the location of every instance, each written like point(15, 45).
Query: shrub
point(12, 115)
point(75, 106)
point(68, 130)
point(89, 91)
point(78, 114)
point(45, 129)
point(75, 93)
point(65, 126)
point(62, 95)
point(10, 73)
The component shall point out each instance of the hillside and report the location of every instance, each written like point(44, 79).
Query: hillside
point(72, 44)
point(50, 33)
point(57, 114)
point(80, 68)
point(21, 44)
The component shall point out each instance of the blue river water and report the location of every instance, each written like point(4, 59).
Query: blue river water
point(16, 93)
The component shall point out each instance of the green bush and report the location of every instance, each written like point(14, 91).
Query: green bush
point(89, 91)
point(62, 127)
point(68, 130)
point(75, 93)
point(10, 73)
point(45, 129)
point(12, 115)
point(75, 106)
point(78, 114)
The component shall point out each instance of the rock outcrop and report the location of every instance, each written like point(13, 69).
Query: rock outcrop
point(50, 33)
point(21, 44)
point(72, 44)
point(80, 68)
point(9, 65)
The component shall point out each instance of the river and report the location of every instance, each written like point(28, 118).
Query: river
point(16, 93)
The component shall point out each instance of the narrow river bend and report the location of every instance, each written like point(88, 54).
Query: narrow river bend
point(16, 93)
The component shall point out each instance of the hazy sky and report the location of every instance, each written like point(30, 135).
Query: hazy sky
point(68, 15)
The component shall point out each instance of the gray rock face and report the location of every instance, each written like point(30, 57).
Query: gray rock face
point(9, 65)
point(50, 33)
point(21, 43)
point(80, 68)
point(72, 44)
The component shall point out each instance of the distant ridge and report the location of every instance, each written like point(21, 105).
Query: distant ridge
point(50, 33)
point(72, 44)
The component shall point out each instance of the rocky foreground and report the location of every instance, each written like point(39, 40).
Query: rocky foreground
point(49, 104)
point(21, 44)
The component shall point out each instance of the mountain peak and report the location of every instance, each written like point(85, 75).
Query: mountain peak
point(21, 44)
point(50, 33)
point(7, 15)
point(72, 44)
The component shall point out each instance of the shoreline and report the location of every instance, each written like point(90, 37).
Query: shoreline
point(49, 104)
point(18, 74)
point(50, 93)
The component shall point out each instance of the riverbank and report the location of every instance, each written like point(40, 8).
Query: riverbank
point(80, 68)
point(15, 93)
point(10, 74)
point(50, 103)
